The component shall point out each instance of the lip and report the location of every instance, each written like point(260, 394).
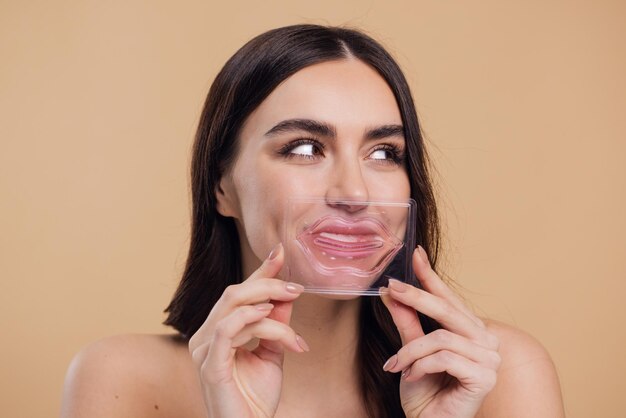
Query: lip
point(347, 238)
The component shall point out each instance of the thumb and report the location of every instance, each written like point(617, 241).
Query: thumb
point(271, 265)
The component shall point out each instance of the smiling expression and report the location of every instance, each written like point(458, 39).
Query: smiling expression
point(332, 131)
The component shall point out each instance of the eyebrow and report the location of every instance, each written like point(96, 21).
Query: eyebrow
point(325, 129)
point(306, 125)
point(385, 131)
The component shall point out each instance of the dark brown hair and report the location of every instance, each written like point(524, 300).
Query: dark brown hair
point(214, 260)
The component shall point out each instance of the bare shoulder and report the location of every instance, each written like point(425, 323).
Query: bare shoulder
point(130, 375)
point(515, 344)
point(528, 384)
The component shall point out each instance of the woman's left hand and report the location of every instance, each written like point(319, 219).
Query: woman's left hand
point(449, 372)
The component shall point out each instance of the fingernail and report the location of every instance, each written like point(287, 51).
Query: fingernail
point(391, 363)
point(275, 251)
point(405, 374)
point(294, 287)
point(397, 285)
point(303, 345)
point(264, 306)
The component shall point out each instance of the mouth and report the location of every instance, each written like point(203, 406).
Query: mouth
point(348, 246)
point(338, 237)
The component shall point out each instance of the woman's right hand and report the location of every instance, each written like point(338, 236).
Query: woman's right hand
point(238, 382)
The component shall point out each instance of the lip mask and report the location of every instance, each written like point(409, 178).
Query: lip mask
point(345, 247)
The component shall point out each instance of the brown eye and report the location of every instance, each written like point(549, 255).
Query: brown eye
point(388, 154)
point(306, 148)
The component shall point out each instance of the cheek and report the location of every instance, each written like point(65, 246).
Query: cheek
point(262, 196)
point(393, 186)
point(265, 187)
point(389, 186)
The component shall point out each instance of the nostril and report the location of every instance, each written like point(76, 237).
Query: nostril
point(349, 206)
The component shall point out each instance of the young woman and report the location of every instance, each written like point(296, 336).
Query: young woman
point(322, 112)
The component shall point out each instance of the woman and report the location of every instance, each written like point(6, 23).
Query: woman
point(325, 112)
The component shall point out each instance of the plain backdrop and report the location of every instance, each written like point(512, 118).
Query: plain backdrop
point(522, 103)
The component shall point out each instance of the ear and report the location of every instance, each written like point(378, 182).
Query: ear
point(226, 198)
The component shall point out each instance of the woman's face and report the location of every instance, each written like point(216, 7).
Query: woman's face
point(332, 131)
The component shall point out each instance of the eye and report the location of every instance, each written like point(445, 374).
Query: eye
point(387, 154)
point(306, 148)
point(381, 154)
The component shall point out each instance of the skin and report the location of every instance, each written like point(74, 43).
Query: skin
point(267, 349)
point(351, 101)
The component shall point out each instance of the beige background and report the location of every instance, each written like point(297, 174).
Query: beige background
point(522, 101)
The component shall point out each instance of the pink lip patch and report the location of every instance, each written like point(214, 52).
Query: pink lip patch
point(347, 248)
point(360, 246)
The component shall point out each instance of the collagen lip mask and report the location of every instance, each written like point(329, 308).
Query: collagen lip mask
point(346, 247)
point(361, 246)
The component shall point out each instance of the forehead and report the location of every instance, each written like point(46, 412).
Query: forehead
point(348, 94)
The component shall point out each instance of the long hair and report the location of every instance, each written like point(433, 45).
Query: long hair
point(214, 259)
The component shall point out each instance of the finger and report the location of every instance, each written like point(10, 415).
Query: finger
point(438, 309)
point(282, 311)
point(432, 283)
point(271, 265)
point(439, 340)
point(257, 291)
point(472, 376)
point(269, 330)
point(249, 313)
point(217, 363)
point(268, 349)
point(262, 285)
point(246, 293)
point(404, 317)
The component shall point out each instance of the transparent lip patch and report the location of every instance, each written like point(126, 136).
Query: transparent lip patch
point(361, 246)
point(345, 247)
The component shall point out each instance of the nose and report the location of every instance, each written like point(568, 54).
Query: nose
point(347, 188)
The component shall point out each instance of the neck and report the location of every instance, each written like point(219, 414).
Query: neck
point(329, 371)
point(328, 325)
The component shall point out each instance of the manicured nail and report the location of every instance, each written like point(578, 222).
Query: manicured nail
point(264, 306)
point(303, 345)
point(391, 363)
point(405, 374)
point(397, 285)
point(275, 251)
point(294, 287)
